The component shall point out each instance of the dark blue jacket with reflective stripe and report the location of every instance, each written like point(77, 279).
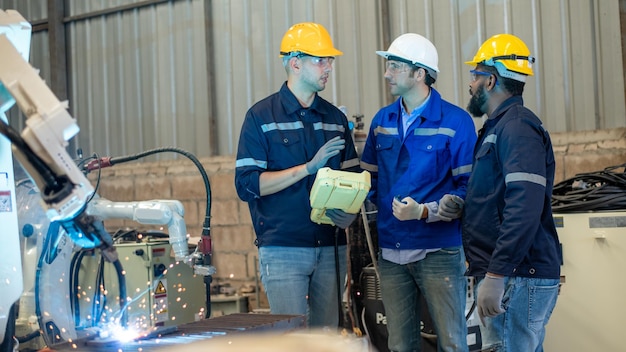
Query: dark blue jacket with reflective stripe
point(508, 227)
point(433, 159)
point(278, 133)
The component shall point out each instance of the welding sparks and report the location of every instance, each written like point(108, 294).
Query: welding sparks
point(117, 332)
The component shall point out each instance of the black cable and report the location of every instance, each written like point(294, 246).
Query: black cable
point(121, 277)
point(99, 163)
point(100, 299)
point(348, 315)
point(338, 277)
point(75, 265)
point(95, 189)
point(8, 344)
point(46, 174)
point(594, 191)
point(81, 163)
point(55, 187)
point(26, 338)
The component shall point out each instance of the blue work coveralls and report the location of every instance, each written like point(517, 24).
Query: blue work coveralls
point(432, 160)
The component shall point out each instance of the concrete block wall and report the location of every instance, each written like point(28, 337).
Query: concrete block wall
point(234, 253)
point(588, 151)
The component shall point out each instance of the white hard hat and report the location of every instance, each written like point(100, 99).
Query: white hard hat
point(414, 49)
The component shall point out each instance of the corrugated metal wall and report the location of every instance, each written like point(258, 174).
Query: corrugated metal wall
point(247, 41)
point(139, 77)
point(178, 72)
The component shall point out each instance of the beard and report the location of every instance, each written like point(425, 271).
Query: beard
point(476, 103)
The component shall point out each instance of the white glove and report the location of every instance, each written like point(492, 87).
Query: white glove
point(327, 151)
point(407, 209)
point(450, 207)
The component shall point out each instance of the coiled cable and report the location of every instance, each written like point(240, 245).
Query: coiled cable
point(594, 191)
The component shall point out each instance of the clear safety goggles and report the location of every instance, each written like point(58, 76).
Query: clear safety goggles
point(319, 61)
point(315, 60)
point(396, 67)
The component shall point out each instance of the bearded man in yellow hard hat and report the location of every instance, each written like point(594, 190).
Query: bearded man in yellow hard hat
point(510, 239)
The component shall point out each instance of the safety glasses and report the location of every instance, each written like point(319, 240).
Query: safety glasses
point(319, 61)
point(396, 67)
point(474, 74)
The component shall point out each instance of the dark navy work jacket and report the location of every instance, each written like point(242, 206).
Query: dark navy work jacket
point(508, 227)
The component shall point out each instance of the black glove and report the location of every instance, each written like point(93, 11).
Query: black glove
point(340, 218)
point(327, 151)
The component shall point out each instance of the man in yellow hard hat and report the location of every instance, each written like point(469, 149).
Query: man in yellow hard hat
point(510, 239)
point(285, 139)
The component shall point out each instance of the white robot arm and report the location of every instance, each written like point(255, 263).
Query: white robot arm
point(67, 195)
point(14, 27)
point(40, 149)
point(49, 127)
point(156, 212)
point(151, 212)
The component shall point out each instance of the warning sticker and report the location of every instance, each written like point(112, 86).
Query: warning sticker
point(158, 252)
point(160, 289)
point(5, 201)
point(160, 305)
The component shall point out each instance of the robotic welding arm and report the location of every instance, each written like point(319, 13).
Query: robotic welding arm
point(14, 26)
point(68, 197)
point(40, 149)
point(151, 212)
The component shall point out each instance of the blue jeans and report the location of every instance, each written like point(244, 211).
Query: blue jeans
point(303, 281)
point(440, 279)
point(528, 303)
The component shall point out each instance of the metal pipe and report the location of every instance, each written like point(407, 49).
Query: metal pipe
point(385, 31)
point(211, 77)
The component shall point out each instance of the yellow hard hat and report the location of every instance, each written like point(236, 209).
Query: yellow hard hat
point(308, 38)
point(508, 54)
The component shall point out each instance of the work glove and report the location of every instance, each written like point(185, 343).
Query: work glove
point(489, 300)
point(340, 218)
point(450, 207)
point(327, 151)
point(407, 209)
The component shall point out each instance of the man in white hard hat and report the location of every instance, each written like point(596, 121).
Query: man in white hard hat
point(419, 151)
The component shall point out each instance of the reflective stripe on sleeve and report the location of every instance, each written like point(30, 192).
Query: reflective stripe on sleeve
point(465, 169)
point(525, 177)
point(490, 139)
point(251, 162)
